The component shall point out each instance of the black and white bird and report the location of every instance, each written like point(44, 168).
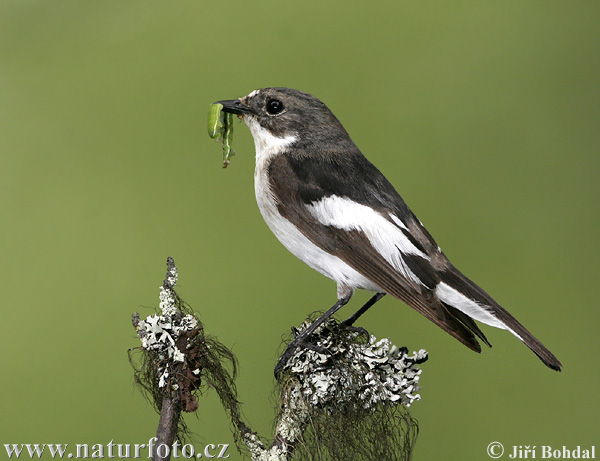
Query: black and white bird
point(334, 210)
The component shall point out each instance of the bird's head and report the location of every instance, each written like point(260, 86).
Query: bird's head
point(287, 114)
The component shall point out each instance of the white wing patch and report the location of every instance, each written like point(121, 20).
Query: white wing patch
point(385, 236)
point(470, 307)
point(398, 221)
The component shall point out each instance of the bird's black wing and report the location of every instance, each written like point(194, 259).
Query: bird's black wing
point(299, 183)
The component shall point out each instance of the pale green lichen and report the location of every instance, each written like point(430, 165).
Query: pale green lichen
point(376, 371)
point(349, 399)
point(160, 333)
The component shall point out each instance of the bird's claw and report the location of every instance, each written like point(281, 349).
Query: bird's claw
point(353, 329)
point(283, 360)
point(299, 342)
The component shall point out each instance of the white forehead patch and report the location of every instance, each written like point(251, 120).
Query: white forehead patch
point(252, 94)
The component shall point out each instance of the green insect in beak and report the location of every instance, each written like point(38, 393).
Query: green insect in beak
point(220, 127)
point(215, 126)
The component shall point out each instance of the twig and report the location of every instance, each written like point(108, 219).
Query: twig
point(167, 425)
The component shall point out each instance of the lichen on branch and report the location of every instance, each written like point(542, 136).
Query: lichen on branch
point(346, 397)
point(177, 360)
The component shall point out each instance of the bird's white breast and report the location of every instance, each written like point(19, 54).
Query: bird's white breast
point(267, 146)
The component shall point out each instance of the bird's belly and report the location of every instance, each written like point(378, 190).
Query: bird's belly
point(300, 246)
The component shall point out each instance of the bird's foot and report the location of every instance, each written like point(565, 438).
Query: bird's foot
point(347, 325)
point(300, 341)
point(360, 330)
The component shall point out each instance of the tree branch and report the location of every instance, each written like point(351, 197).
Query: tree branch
point(346, 398)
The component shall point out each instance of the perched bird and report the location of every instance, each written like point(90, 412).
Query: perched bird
point(334, 210)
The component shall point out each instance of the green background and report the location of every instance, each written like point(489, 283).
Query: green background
point(484, 115)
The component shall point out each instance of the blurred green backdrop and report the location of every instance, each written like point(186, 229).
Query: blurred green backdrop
point(485, 115)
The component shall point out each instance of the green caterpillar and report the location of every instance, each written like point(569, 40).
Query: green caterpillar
point(220, 127)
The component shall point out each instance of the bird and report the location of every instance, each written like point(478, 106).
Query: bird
point(335, 211)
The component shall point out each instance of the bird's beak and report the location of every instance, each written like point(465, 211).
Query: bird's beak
point(235, 106)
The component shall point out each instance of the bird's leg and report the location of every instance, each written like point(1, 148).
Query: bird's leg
point(354, 317)
point(301, 339)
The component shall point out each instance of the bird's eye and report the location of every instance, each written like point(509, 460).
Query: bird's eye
point(274, 106)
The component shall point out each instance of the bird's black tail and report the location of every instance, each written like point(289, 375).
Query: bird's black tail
point(462, 294)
